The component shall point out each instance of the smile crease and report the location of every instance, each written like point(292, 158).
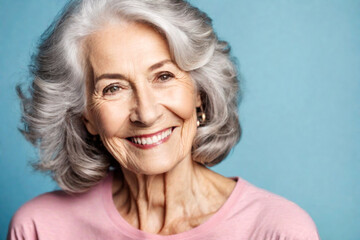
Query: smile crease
point(152, 139)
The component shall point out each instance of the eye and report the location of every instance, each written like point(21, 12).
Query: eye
point(111, 89)
point(165, 76)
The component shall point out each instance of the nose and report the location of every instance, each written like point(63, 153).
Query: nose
point(147, 109)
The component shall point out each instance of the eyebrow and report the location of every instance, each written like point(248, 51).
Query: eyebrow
point(110, 76)
point(120, 76)
point(160, 64)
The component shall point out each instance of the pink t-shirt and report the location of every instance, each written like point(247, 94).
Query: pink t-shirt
point(249, 213)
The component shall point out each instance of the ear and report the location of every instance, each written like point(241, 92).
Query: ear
point(198, 100)
point(89, 124)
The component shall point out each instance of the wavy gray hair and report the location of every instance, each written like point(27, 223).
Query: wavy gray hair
point(53, 109)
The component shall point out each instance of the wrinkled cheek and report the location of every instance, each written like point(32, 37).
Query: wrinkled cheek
point(119, 150)
point(188, 132)
point(182, 104)
point(110, 120)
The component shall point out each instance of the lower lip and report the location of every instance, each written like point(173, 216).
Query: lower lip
point(148, 146)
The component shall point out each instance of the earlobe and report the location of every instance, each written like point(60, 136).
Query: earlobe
point(89, 124)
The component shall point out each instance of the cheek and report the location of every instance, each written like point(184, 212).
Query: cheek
point(181, 101)
point(110, 117)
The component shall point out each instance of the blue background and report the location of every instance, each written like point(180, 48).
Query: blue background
point(300, 114)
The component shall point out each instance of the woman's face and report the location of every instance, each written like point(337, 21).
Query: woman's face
point(139, 102)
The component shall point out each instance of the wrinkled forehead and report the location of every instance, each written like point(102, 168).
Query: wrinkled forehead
point(121, 47)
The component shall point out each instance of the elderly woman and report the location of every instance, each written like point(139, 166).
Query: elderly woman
point(130, 101)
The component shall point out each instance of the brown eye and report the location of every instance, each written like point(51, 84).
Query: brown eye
point(166, 76)
point(111, 89)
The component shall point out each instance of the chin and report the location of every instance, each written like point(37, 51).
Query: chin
point(153, 166)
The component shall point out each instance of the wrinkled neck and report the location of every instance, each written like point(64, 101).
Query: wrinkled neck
point(171, 202)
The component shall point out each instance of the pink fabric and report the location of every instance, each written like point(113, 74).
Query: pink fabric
point(250, 213)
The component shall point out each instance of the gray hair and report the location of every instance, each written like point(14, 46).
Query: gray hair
point(53, 109)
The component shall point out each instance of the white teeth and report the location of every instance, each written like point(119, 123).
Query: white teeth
point(149, 141)
point(153, 139)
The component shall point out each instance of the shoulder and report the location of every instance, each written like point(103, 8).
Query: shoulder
point(25, 221)
point(273, 214)
point(40, 206)
point(43, 208)
point(57, 208)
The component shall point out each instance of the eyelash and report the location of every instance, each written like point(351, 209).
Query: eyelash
point(163, 74)
point(109, 90)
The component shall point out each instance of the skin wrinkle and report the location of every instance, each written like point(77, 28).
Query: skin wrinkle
point(160, 190)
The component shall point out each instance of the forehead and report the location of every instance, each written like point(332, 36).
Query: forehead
point(123, 43)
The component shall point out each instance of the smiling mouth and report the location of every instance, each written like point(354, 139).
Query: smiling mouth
point(151, 140)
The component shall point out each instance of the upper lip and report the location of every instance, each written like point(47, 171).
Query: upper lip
point(151, 134)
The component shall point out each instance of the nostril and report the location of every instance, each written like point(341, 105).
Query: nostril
point(145, 116)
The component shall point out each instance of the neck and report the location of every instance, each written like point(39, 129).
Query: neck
point(171, 202)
